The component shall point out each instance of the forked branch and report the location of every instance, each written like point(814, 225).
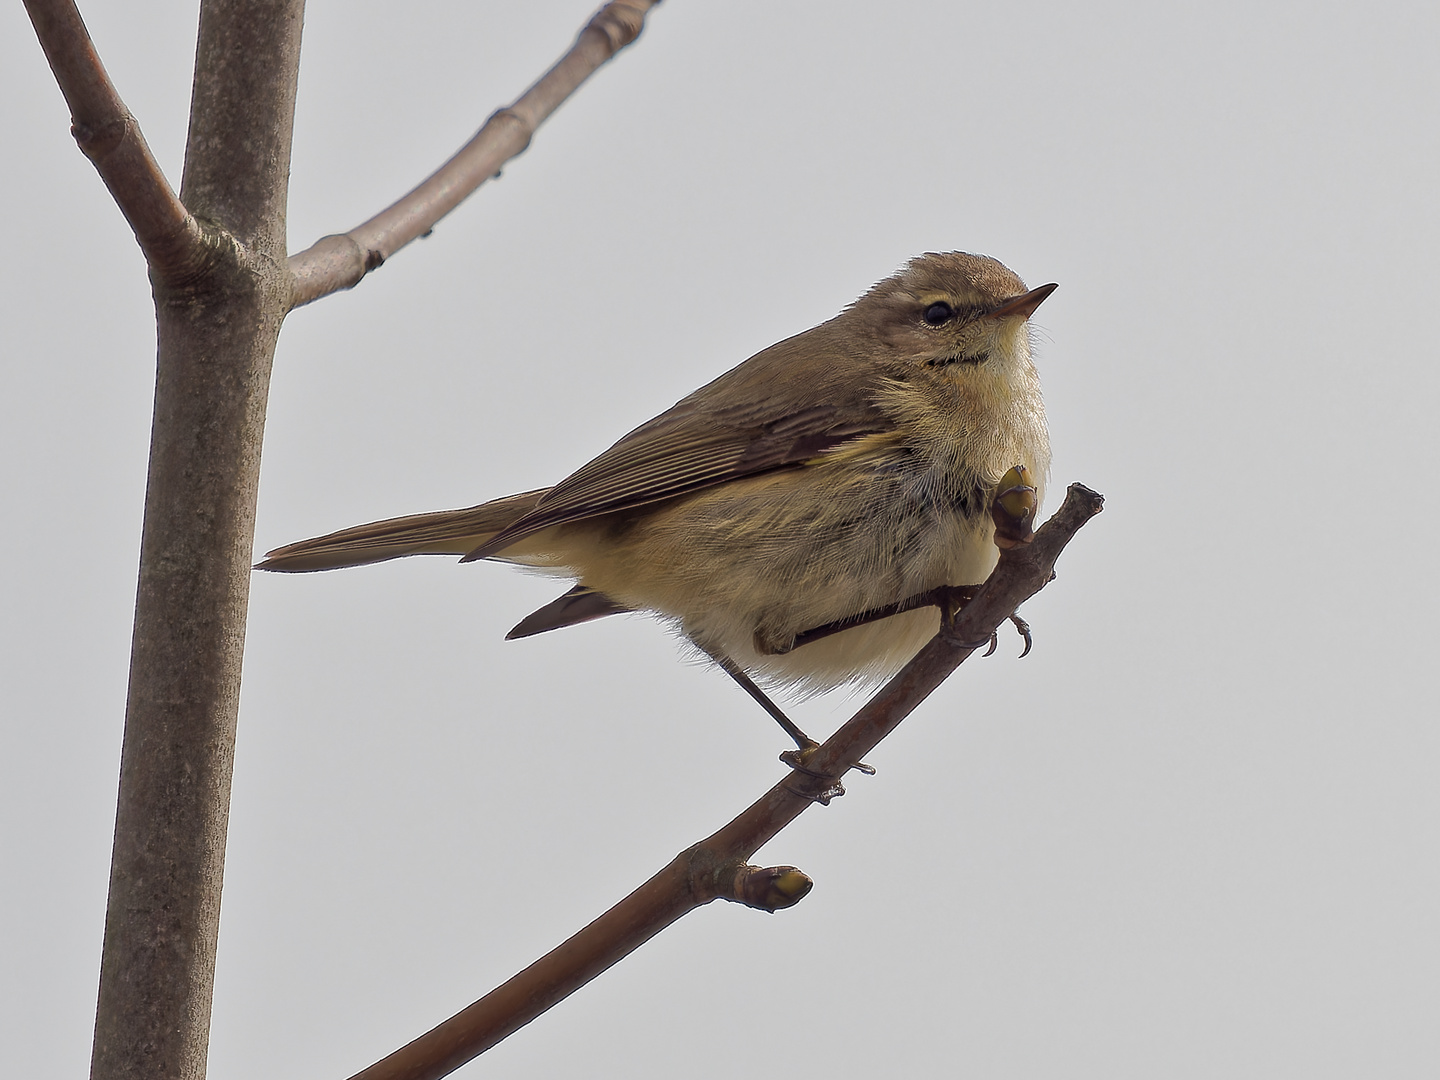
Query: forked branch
point(340, 261)
point(717, 867)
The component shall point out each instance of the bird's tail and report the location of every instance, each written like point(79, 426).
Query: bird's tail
point(447, 532)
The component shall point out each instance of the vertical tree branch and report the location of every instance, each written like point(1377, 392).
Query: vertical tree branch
point(242, 113)
point(218, 317)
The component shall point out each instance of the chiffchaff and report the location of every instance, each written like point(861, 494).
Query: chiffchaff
point(841, 471)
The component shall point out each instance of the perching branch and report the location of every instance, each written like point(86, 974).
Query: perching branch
point(717, 867)
point(110, 137)
point(339, 262)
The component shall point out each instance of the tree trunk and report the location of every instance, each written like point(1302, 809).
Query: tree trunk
point(218, 315)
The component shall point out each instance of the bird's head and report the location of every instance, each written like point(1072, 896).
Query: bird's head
point(951, 310)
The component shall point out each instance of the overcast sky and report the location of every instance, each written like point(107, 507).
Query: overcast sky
point(1193, 834)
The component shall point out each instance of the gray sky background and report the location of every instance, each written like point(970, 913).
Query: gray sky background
point(1194, 834)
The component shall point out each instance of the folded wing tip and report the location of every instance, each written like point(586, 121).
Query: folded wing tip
point(580, 604)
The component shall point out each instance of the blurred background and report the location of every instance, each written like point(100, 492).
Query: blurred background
point(1193, 834)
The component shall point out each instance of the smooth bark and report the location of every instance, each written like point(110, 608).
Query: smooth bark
point(222, 287)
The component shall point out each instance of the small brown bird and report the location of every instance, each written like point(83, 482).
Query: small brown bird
point(841, 471)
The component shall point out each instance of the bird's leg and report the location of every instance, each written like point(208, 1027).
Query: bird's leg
point(803, 741)
point(805, 746)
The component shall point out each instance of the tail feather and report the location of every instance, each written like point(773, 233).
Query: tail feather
point(446, 532)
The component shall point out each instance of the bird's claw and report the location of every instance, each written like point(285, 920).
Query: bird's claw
point(993, 641)
point(1024, 629)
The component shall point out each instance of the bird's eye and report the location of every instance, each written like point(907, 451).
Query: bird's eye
point(938, 313)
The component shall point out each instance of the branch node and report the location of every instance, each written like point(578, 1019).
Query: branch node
point(333, 262)
point(620, 22)
point(525, 126)
point(97, 140)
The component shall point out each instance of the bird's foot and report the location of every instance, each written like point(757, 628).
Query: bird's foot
point(797, 759)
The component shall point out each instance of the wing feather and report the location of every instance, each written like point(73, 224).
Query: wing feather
point(780, 409)
point(685, 450)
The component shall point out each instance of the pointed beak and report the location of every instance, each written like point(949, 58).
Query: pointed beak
point(1023, 305)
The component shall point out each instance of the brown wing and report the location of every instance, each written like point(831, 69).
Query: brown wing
point(769, 413)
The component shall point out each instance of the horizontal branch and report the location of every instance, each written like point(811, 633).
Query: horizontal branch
point(340, 261)
point(717, 866)
point(110, 137)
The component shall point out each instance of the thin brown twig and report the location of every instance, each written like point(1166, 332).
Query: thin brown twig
point(340, 261)
point(111, 138)
point(717, 866)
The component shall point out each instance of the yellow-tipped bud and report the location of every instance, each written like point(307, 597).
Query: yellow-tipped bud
point(1014, 508)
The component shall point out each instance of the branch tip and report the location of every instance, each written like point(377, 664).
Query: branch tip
point(769, 888)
